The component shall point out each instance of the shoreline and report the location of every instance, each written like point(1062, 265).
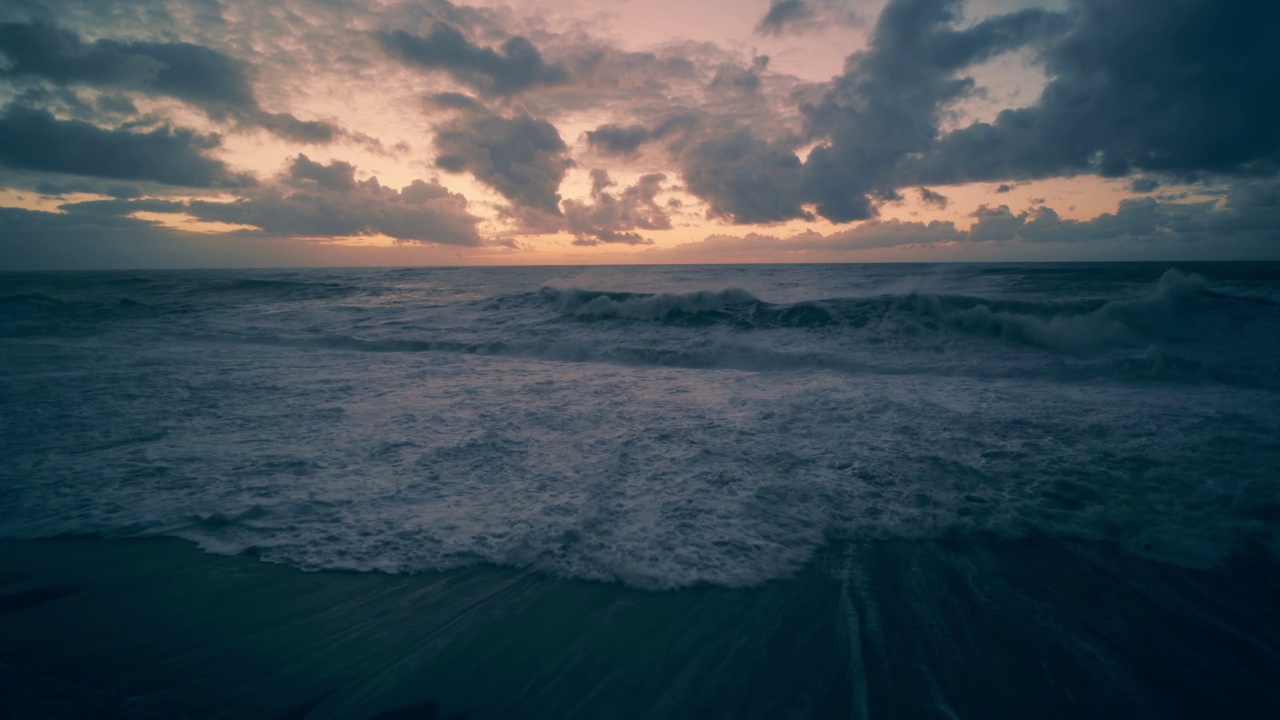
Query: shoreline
point(879, 629)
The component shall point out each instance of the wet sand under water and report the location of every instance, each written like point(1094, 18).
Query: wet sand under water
point(894, 629)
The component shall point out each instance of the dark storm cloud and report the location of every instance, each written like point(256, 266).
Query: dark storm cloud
point(998, 224)
point(291, 128)
point(316, 200)
point(782, 14)
point(743, 178)
point(936, 199)
point(1261, 195)
point(64, 186)
point(34, 139)
point(796, 16)
point(619, 139)
point(616, 139)
point(515, 67)
point(887, 104)
point(614, 218)
point(1140, 218)
point(1144, 184)
point(30, 239)
point(104, 210)
point(218, 84)
point(34, 240)
point(521, 157)
point(1183, 87)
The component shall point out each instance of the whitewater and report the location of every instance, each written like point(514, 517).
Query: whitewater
point(662, 427)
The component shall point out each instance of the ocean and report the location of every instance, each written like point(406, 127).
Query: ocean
point(987, 490)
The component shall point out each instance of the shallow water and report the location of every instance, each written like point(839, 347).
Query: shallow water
point(878, 629)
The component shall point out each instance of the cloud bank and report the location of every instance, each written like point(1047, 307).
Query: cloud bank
point(1080, 125)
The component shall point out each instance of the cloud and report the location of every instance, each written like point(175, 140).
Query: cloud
point(743, 178)
point(517, 66)
point(52, 185)
point(1255, 195)
point(890, 233)
point(291, 128)
point(735, 78)
point(1144, 184)
point(619, 139)
point(1177, 96)
point(611, 218)
point(1251, 213)
point(338, 176)
point(997, 224)
point(188, 72)
point(930, 197)
point(759, 247)
point(1242, 226)
point(614, 139)
point(798, 16)
point(84, 239)
point(316, 200)
point(521, 157)
point(784, 14)
point(205, 78)
point(887, 104)
point(1183, 88)
point(35, 240)
point(311, 199)
point(636, 87)
point(34, 139)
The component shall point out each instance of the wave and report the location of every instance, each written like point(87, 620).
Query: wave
point(1165, 314)
point(1180, 331)
point(1074, 325)
point(733, 307)
point(269, 289)
point(35, 314)
point(78, 310)
point(699, 305)
point(1149, 366)
point(132, 281)
point(36, 298)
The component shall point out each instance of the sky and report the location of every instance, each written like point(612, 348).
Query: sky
point(215, 133)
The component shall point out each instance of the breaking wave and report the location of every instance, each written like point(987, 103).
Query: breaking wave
point(1167, 313)
point(1179, 330)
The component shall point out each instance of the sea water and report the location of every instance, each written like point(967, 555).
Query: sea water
point(864, 491)
point(662, 427)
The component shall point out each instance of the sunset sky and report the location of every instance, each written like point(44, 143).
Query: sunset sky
point(192, 133)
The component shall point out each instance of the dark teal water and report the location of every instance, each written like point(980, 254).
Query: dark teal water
point(891, 629)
